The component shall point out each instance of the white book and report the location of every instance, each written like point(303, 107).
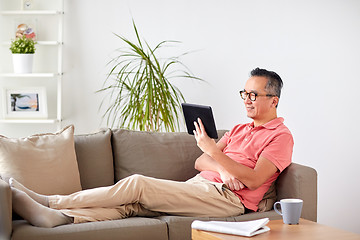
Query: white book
point(248, 228)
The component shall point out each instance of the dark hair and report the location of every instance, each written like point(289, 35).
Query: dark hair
point(274, 84)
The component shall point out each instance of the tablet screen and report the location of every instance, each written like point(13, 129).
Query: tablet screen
point(193, 111)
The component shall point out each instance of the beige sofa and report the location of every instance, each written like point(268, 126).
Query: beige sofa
point(109, 155)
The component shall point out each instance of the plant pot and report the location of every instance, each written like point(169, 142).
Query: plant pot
point(23, 63)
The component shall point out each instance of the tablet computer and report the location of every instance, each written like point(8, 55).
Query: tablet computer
point(193, 111)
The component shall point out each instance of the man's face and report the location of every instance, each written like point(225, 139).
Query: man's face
point(261, 107)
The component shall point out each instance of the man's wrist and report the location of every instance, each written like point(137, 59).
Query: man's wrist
point(215, 154)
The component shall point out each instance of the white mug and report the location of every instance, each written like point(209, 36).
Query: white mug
point(290, 210)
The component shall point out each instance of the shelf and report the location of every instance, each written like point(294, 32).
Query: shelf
point(30, 75)
point(29, 121)
point(43, 43)
point(50, 16)
point(52, 43)
point(32, 12)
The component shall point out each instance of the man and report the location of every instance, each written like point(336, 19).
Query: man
point(235, 173)
point(254, 154)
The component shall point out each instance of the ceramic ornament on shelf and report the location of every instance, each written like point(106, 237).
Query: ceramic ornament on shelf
point(25, 30)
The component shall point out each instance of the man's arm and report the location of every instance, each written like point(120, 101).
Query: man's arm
point(206, 163)
point(252, 178)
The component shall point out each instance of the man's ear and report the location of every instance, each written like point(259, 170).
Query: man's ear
point(275, 102)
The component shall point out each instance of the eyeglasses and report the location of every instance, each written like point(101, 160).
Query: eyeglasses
point(253, 95)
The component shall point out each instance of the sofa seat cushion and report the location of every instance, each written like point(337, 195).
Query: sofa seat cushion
point(161, 155)
point(45, 163)
point(125, 229)
point(95, 159)
point(180, 227)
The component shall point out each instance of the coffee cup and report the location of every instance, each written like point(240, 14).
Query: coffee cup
point(290, 210)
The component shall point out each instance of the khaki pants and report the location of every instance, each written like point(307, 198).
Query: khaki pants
point(138, 195)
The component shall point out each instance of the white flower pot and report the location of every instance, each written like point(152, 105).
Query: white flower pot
point(23, 63)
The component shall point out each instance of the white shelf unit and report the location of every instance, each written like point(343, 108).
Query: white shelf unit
point(13, 12)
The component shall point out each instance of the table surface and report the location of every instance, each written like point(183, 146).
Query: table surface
point(278, 230)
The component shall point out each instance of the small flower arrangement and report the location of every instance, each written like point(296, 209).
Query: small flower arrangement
point(23, 45)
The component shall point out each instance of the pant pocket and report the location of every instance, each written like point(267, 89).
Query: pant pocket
point(219, 187)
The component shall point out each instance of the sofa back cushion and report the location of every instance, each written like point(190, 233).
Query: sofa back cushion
point(95, 160)
point(161, 155)
point(45, 163)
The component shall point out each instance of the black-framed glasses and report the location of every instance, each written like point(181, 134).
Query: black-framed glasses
point(253, 95)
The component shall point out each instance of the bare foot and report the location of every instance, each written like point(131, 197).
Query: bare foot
point(35, 213)
point(42, 199)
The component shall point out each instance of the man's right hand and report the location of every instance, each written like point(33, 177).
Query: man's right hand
point(230, 181)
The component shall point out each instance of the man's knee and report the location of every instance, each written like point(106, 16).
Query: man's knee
point(137, 179)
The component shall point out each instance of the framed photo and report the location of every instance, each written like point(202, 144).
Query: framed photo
point(29, 103)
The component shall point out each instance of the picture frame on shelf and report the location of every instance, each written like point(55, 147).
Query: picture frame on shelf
point(25, 103)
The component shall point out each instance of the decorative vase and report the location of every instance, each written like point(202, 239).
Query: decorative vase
point(23, 63)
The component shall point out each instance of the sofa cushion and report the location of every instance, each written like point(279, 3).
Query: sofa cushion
point(95, 160)
point(161, 155)
point(125, 229)
point(45, 163)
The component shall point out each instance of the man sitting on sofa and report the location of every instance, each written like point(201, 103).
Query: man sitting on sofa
point(235, 173)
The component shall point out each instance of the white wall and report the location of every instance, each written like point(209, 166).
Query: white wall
point(313, 45)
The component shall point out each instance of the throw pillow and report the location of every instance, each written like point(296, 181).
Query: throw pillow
point(45, 163)
point(95, 159)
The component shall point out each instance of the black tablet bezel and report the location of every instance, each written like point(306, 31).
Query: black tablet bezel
point(194, 111)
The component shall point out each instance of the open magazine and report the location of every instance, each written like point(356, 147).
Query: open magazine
point(248, 228)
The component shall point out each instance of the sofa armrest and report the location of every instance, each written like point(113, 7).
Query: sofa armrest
point(5, 211)
point(298, 181)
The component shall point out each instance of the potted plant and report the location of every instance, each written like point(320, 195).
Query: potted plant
point(23, 49)
point(141, 97)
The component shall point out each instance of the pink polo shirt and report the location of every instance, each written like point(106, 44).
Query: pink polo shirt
point(246, 143)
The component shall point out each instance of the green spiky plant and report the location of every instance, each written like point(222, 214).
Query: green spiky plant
point(140, 93)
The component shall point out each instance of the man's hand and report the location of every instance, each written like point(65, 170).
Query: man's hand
point(230, 181)
point(204, 142)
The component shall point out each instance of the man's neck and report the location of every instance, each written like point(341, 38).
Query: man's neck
point(260, 122)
